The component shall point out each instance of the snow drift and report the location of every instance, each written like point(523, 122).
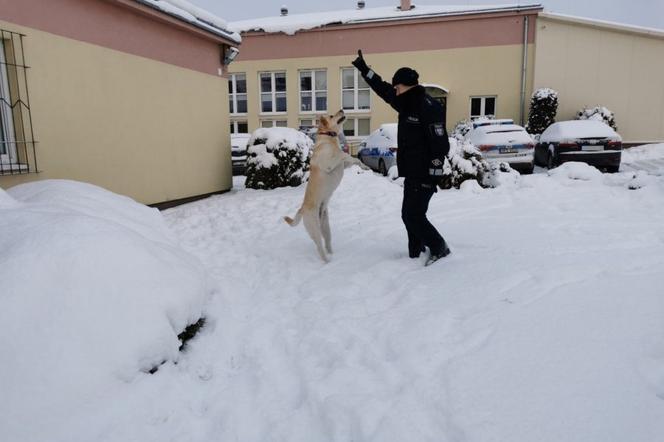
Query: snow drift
point(94, 293)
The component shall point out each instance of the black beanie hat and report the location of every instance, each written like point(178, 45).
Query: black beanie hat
point(405, 76)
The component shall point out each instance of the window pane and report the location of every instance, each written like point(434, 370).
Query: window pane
point(321, 101)
point(282, 123)
point(475, 107)
point(266, 102)
point(305, 81)
point(266, 123)
point(230, 105)
point(241, 83)
point(321, 80)
point(306, 123)
point(232, 127)
point(280, 82)
point(363, 125)
point(230, 85)
point(242, 104)
point(349, 127)
point(305, 101)
point(490, 106)
point(266, 83)
point(242, 127)
point(348, 100)
point(348, 79)
point(361, 83)
point(363, 99)
point(281, 102)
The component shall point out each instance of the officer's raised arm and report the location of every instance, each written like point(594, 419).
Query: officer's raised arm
point(382, 88)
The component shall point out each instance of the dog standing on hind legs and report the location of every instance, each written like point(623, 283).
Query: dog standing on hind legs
point(325, 173)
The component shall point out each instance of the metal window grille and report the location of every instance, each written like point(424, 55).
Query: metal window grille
point(17, 141)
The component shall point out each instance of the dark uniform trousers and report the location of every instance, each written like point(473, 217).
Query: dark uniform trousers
point(416, 197)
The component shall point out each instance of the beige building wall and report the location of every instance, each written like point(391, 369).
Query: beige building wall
point(591, 64)
point(139, 127)
point(465, 72)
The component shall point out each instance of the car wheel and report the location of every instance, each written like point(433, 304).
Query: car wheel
point(381, 168)
point(612, 169)
point(551, 161)
point(529, 170)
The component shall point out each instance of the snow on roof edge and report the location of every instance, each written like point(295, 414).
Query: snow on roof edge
point(195, 16)
point(609, 24)
point(290, 24)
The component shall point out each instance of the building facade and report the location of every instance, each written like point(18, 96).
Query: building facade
point(477, 60)
point(473, 61)
point(118, 93)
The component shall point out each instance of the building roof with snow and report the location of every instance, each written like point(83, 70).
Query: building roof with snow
point(290, 24)
point(192, 14)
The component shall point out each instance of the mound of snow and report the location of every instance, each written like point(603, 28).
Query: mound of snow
point(94, 292)
point(576, 171)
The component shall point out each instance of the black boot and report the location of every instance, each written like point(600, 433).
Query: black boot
point(436, 256)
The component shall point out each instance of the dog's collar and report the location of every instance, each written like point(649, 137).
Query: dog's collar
point(330, 133)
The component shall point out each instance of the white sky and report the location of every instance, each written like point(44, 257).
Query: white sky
point(648, 13)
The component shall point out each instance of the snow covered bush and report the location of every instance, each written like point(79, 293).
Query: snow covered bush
point(599, 113)
point(277, 157)
point(543, 109)
point(95, 291)
point(464, 162)
point(461, 129)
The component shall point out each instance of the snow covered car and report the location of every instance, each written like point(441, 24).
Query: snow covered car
point(311, 133)
point(239, 152)
point(503, 141)
point(379, 150)
point(589, 141)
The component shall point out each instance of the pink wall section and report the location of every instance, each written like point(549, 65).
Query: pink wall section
point(121, 25)
point(412, 35)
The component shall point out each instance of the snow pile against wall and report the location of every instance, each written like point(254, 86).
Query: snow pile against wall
point(277, 157)
point(94, 293)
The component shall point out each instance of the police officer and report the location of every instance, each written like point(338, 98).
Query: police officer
point(422, 147)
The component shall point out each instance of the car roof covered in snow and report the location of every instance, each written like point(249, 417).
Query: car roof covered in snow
point(192, 14)
point(292, 23)
point(572, 129)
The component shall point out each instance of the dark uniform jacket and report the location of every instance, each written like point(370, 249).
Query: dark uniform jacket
point(422, 137)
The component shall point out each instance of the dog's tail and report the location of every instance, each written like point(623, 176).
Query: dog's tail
point(294, 222)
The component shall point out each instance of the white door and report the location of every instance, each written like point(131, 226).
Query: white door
point(7, 145)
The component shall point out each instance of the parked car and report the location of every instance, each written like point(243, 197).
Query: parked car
point(503, 141)
point(588, 141)
point(239, 152)
point(311, 133)
point(379, 150)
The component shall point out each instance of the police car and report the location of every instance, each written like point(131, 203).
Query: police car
point(379, 150)
point(503, 141)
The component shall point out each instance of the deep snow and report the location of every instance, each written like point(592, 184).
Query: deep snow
point(545, 324)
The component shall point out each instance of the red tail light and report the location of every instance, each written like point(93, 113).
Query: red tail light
point(530, 146)
point(393, 149)
point(566, 144)
point(485, 147)
point(615, 144)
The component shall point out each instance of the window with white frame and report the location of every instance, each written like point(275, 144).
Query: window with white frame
point(313, 90)
point(273, 92)
point(355, 92)
point(274, 123)
point(239, 127)
point(482, 106)
point(7, 142)
point(307, 122)
point(237, 93)
point(357, 127)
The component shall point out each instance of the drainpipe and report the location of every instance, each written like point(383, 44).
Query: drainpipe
point(524, 64)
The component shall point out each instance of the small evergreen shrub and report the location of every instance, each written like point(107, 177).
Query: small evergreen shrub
point(599, 113)
point(543, 109)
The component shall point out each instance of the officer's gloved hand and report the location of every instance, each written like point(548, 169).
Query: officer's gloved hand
point(360, 64)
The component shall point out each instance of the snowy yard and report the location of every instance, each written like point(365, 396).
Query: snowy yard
point(545, 324)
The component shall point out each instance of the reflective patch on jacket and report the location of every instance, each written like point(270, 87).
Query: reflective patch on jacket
point(413, 119)
point(437, 129)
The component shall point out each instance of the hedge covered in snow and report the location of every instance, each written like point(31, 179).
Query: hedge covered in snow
point(277, 157)
point(543, 109)
point(599, 113)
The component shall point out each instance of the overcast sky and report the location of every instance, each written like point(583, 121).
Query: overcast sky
point(649, 13)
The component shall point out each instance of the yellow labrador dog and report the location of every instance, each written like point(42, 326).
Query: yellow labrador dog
point(327, 168)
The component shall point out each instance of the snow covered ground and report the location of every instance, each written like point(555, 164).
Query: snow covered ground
point(545, 324)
